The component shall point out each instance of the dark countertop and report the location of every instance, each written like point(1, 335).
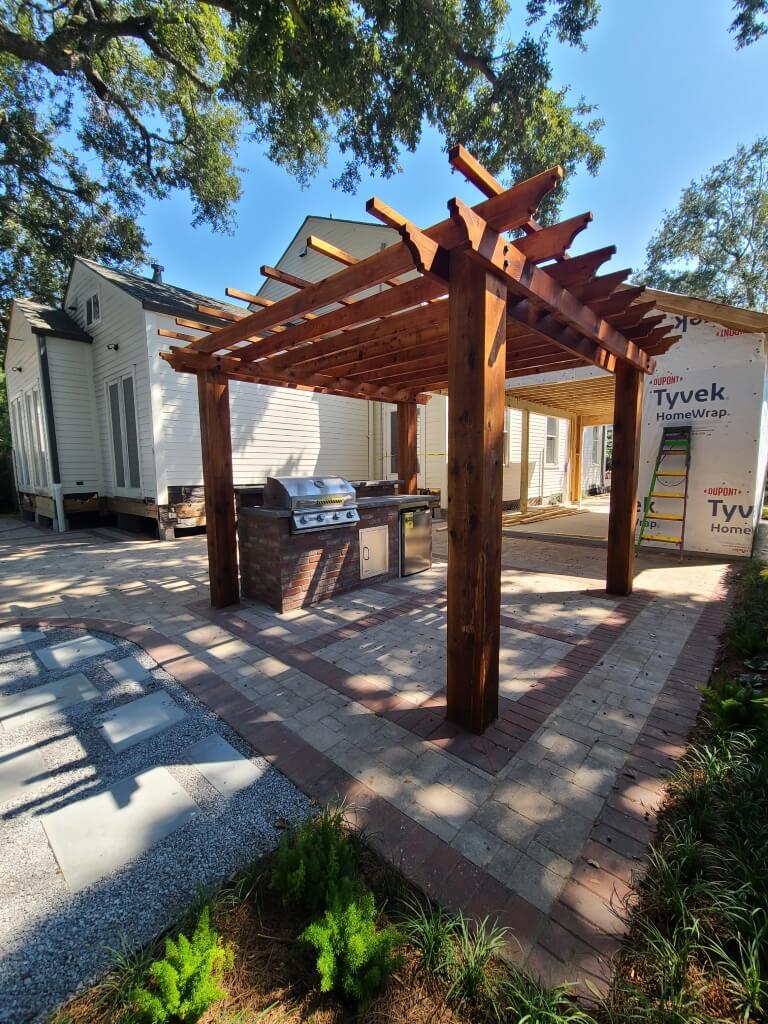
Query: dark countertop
point(404, 501)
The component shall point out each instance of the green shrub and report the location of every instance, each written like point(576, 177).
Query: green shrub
point(734, 705)
point(185, 983)
point(354, 956)
point(312, 862)
point(747, 634)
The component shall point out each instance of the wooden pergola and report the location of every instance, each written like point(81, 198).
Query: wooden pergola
point(460, 307)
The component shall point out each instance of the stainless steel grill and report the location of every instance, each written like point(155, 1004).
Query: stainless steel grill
point(315, 502)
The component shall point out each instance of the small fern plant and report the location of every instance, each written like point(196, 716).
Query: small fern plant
point(313, 861)
point(736, 706)
point(182, 986)
point(354, 956)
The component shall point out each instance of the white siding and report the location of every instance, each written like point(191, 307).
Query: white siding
point(123, 324)
point(544, 480)
point(275, 431)
point(22, 350)
point(74, 411)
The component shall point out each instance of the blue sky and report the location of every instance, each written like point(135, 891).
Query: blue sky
point(676, 96)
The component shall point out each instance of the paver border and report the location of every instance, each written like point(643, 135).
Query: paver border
point(584, 928)
point(518, 719)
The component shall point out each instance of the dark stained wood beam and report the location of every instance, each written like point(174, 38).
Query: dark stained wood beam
point(407, 457)
point(600, 287)
point(622, 519)
point(476, 370)
point(398, 327)
point(580, 269)
point(216, 444)
point(392, 300)
point(533, 283)
point(619, 302)
point(462, 160)
point(185, 360)
point(552, 242)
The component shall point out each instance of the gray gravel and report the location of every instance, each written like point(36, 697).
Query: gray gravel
point(54, 942)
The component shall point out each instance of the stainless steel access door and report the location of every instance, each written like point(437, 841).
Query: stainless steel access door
point(415, 541)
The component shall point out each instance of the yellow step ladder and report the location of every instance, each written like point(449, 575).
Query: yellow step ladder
point(675, 446)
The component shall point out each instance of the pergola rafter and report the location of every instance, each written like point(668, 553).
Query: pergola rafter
point(459, 306)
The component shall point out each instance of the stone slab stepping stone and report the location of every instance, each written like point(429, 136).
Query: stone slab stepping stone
point(68, 652)
point(224, 767)
point(21, 770)
point(96, 835)
point(127, 670)
point(41, 702)
point(137, 720)
point(15, 636)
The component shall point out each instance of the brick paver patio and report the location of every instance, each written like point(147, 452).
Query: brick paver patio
point(542, 821)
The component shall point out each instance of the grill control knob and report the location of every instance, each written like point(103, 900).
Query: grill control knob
point(302, 519)
point(335, 515)
point(349, 515)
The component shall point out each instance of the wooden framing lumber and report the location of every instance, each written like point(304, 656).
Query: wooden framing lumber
point(525, 457)
point(477, 343)
point(575, 458)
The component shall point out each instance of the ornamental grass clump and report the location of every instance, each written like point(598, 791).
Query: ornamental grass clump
point(183, 985)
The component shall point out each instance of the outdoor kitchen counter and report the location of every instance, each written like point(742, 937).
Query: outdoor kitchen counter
point(400, 501)
point(289, 570)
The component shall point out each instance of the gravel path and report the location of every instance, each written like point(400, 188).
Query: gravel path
point(53, 940)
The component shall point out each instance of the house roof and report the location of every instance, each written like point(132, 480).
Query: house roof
point(735, 317)
point(51, 321)
point(160, 297)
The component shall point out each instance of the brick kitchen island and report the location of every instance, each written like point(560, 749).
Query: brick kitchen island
point(290, 570)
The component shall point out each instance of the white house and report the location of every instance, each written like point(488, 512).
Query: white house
point(101, 424)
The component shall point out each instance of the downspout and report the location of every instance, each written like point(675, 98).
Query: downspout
point(53, 448)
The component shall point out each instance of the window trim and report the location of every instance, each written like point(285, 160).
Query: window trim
point(556, 436)
point(28, 431)
point(125, 490)
point(90, 299)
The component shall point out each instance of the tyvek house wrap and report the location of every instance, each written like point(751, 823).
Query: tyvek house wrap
point(714, 380)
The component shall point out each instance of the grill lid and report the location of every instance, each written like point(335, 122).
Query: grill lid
point(308, 492)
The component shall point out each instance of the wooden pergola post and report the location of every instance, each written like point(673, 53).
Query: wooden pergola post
point(627, 417)
point(476, 372)
point(575, 459)
point(525, 464)
point(407, 455)
point(216, 444)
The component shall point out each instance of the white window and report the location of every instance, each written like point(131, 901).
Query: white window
point(30, 440)
point(121, 409)
point(92, 309)
point(596, 446)
point(552, 441)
